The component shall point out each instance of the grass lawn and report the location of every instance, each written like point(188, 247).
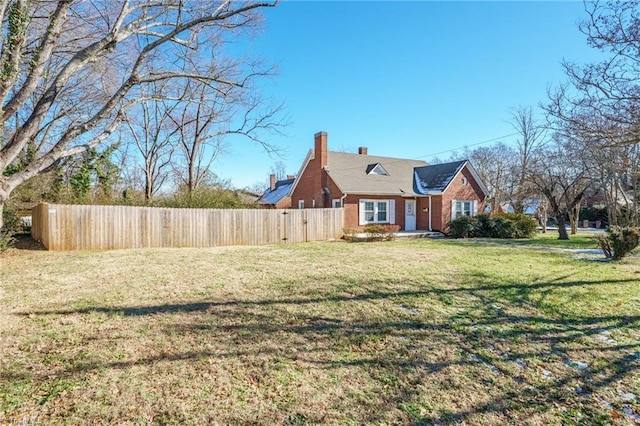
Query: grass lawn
point(402, 332)
point(581, 240)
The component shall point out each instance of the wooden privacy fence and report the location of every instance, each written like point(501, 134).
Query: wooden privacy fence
point(71, 227)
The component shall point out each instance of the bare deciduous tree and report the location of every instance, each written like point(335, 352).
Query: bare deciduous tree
point(153, 133)
point(205, 116)
point(562, 181)
point(530, 141)
point(69, 70)
point(495, 165)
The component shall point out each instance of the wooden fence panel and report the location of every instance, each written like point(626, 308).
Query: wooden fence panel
point(71, 227)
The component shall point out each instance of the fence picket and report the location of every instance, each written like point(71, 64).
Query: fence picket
point(74, 227)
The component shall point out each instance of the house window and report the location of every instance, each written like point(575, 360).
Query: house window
point(462, 208)
point(464, 180)
point(335, 203)
point(382, 207)
point(301, 204)
point(375, 211)
point(313, 203)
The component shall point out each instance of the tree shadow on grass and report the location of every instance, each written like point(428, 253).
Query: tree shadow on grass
point(521, 289)
point(484, 367)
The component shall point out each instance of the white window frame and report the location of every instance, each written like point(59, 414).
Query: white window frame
point(456, 213)
point(301, 204)
point(313, 203)
point(390, 208)
point(335, 203)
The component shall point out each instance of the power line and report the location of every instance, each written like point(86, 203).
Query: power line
point(467, 146)
point(399, 160)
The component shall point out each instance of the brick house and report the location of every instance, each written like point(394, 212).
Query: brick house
point(373, 189)
point(277, 196)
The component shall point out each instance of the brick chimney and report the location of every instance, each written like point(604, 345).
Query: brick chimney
point(320, 148)
point(272, 181)
point(362, 150)
point(291, 176)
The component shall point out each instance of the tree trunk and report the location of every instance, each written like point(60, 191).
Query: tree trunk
point(544, 219)
point(562, 229)
point(2, 201)
point(4, 196)
point(574, 217)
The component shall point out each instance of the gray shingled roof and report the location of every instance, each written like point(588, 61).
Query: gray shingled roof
point(436, 177)
point(349, 172)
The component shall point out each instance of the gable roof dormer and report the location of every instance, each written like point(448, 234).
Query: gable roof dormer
point(376, 169)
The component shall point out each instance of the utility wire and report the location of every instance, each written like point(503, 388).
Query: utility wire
point(400, 160)
point(467, 146)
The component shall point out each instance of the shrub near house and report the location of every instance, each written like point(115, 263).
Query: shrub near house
point(371, 233)
point(502, 225)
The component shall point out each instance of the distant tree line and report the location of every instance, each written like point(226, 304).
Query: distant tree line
point(585, 139)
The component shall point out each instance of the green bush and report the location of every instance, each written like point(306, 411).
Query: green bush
point(484, 226)
point(504, 225)
point(524, 226)
point(503, 228)
point(205, 198)
point(461, 227)
point(618, 241)
point(12, 225)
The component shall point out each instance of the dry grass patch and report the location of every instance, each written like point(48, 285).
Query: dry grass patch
point(399, 332)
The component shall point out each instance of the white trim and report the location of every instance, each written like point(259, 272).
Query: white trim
point(430, 228)
point(391, 214)
point(361, 220)
point(313, 203)
point(390, 209)
point(301, 171)
point(405, 194)
point(301, 204)
point(379, 170)
point(477, 178)
point(472, 208)
point(475, 175)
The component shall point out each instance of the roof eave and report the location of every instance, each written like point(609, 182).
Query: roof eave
point(394, 194)
point(302, 169)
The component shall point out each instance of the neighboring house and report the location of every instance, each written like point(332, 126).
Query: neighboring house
point(530, 206)
point(278, 194)
point(386, 190)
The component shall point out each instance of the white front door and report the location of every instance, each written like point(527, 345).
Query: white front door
point(409, 215)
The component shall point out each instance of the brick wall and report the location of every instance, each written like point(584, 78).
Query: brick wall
point(458, 191)
point(352, 209)
point(308, 187)
point(314, 178)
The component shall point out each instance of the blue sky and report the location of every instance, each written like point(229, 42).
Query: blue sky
point(405, 79)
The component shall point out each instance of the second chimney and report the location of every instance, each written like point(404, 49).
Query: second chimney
point(362, 150)
point(272, 181)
